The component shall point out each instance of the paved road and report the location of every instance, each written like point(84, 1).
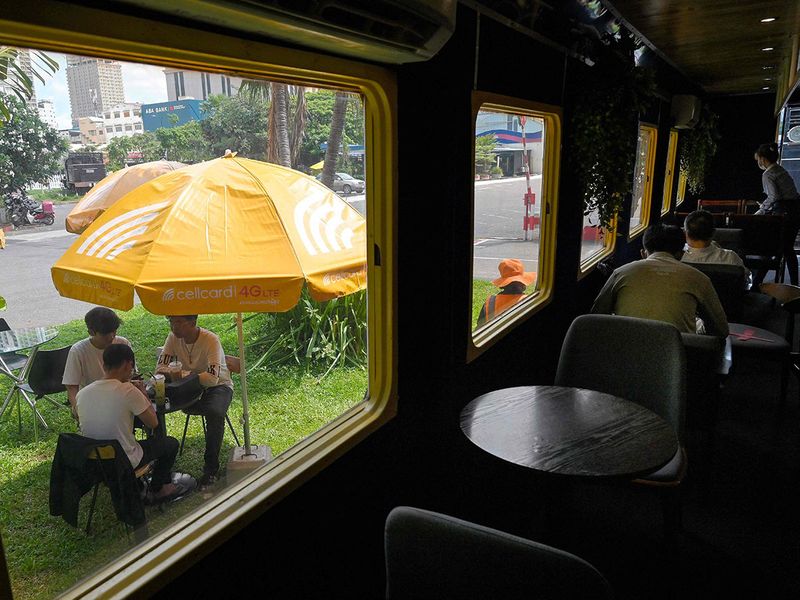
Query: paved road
point(25, 275)
point(31, 251)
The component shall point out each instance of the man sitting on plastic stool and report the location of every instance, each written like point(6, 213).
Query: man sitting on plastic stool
point(200, 351)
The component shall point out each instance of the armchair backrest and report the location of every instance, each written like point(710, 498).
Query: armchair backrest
point(431, 555)
point(637, 359)
point(47, 370)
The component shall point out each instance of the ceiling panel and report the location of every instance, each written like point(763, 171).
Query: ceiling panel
point(718, 43)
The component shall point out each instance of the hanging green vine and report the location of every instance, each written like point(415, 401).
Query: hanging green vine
point(698, 147)
point(604, 127)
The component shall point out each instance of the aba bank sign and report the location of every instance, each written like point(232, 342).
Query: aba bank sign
point(152, 110)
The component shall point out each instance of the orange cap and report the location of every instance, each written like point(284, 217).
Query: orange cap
point(511, 270)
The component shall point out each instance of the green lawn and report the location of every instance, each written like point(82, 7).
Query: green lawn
point(46, 555)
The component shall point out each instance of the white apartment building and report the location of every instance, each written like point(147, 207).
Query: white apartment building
point(123, 120)
point(182, 85)
point(95, 86)
point(47, 112)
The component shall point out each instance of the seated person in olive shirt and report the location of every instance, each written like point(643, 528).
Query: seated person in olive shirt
point(662, 288)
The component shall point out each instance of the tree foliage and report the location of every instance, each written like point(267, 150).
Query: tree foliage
point(604, 125)
point(184, 143)
point(319, 112)
point(17, 79)
point(238, 123)
point(30, 150)
point(484, 151)
point(698, 147)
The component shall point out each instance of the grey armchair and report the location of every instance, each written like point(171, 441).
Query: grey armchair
point(431, 555)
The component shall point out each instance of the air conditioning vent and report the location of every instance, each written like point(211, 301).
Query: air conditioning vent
point(685, 111)
point(394, 31)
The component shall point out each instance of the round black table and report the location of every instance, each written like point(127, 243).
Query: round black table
point(569, 431)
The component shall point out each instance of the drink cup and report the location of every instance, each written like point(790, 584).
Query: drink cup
point(159, 384)
point(175, 370)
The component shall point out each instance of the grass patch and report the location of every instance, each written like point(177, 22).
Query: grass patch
point(45, 555)
point(55, 196)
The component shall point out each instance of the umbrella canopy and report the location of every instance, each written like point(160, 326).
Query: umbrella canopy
point(318, 166)
point(223, 236)
point(110, 189)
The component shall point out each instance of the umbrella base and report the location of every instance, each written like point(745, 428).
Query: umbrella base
point(241, 464)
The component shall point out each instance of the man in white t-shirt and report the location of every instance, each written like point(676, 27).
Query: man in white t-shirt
point(200, 351)
point(106, 409)
point(701, 248)
point(85, 360)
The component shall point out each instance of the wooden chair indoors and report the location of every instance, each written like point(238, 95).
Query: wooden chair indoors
point(431, 555)
point(724, 206)
point(788, 296)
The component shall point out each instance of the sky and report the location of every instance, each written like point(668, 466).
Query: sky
point(142, 83)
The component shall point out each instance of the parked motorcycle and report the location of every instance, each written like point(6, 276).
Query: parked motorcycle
point(22, 210)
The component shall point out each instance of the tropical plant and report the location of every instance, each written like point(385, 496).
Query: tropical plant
point(30, 150)
point(603, 133)
point(698, 146)
point(319, 109)
point(315, 335)
point(16, 77)
point(238, 123)
point(484, 151)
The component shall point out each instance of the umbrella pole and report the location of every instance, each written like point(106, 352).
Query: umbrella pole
point(243, 379)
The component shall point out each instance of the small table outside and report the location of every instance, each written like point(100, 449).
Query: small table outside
point(15, 340)
point(569, 431)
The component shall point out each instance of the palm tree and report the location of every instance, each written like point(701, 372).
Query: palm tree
point(283, 140)
point(17, 79)
point(334, 138)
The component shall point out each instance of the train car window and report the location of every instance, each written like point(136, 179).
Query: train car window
point(515, 170)
point(680, 195)
point(669, 172)
point(643, 180)
point(319, 377)
point(596, 242)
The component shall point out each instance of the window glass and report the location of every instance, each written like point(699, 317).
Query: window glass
point(516, 151)
point(595, 241)
point(642, 179)
point(669, 172)
point(680, 196)
point(306, 367)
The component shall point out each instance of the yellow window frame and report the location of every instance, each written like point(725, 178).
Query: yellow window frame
point(647, 190)
point(669, 172)
point(486, 336)
point(45, 25)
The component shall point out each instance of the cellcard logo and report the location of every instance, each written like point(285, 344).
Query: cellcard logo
point(198, 293)
point(121, 233)
point(325, 226)
point(331, 278)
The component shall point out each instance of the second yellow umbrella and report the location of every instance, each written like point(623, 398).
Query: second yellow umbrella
point(110, 189)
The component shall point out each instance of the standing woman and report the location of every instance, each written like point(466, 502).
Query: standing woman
point(782, 199)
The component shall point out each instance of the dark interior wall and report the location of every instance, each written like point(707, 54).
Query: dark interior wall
point(745, 122)
point(325, 539)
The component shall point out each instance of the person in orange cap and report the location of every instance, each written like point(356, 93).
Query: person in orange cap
point(512, 283)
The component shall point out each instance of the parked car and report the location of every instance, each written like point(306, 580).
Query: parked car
point(342, 182)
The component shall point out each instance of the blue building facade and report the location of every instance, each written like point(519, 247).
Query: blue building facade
point(171, 114)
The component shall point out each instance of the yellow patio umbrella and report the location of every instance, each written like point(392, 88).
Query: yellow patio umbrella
point(110, 189)
point(317, 166)
point(229, 235)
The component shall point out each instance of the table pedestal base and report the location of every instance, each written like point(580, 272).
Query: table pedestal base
point(241, 464)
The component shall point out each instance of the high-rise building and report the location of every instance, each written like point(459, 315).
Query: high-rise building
point(47, 113)
point(95, 85)
point(183, 85)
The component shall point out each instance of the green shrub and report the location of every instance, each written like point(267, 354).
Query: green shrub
point(315, 335)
